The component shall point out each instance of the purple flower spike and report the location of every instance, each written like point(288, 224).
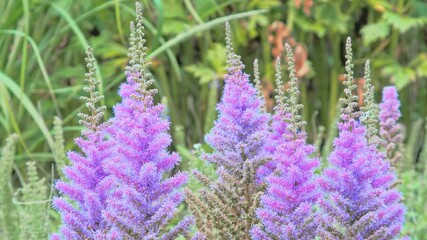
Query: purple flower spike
point(358, 201)
point(225, 209)
point(142, 201)
point(390, 130)
point(85, 175)
point(286, 210)
point(121, 186)
point(240, 132)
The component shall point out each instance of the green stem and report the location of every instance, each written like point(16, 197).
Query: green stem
point(291, 15)
point(118, 21)
point(266, 55)
point(333, 91)
point(395, 33)
point(193, 12)
point(24, 53)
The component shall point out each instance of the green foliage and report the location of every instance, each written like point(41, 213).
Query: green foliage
point(412, 147)
point(214, 69)
point(414, 188)
point(193, 160)
point(403, 23)
point(374, 32)
point(423, 155)
point(330, 16)
point(8, 215)
point(400, 75)
point(42, 44)
point(33, 206)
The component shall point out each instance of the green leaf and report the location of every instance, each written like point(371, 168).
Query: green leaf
point(259, 4)
point(203, 73)
point(254, 21)
point(174, 26)
point(160, 15)
point(83, 41)
point(26, 102)
point(400, 75)
point(374, 32)
point(216, 57)
point(175, 17)
point(67, 72)
point(380, 5)
point(331, 17)
point(214, 66)
point(204, 7)
point(308, 26)
point(403, 23)
point(200, 28)
point(39, 61)
point(420, 7)
point(419, 63)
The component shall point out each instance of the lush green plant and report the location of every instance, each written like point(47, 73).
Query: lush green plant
point(42, 45)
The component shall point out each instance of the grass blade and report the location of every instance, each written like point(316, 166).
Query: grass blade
point(82, 40)
point(200, 28)
point(39, 61)
point(26, 102)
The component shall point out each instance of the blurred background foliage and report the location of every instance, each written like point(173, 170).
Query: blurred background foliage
point(42, 47)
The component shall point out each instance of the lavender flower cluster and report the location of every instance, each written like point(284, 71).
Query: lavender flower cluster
point(118, 189)
point(121, 187)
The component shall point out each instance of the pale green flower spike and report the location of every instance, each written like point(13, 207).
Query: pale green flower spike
point(370, 108)
point(92, 120)
point(293, 107)
point(350, 100)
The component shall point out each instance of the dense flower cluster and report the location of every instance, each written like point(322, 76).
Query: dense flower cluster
point(239, 133)
point(85, 186)
point(287, 205)
point(358, 202)
point(141, 201)
point(268, 184)
point(226, 208)
point(118, 186)
point(390, 130)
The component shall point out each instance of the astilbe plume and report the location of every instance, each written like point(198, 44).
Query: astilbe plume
point(390, 130)
point(286, 210)
point(226, 208)
point(278, 126)
point(141, 202)
point(84, 188)
point(358, 202)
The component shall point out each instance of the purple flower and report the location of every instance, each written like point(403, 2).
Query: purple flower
point(225, 209)
point(122, 186)
point(358, 202)
point(143, 199)
point(240, 132)
point(286, 210)
point(85, 189)
point(390, 130)
point(277, 129)
point(389, 113)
